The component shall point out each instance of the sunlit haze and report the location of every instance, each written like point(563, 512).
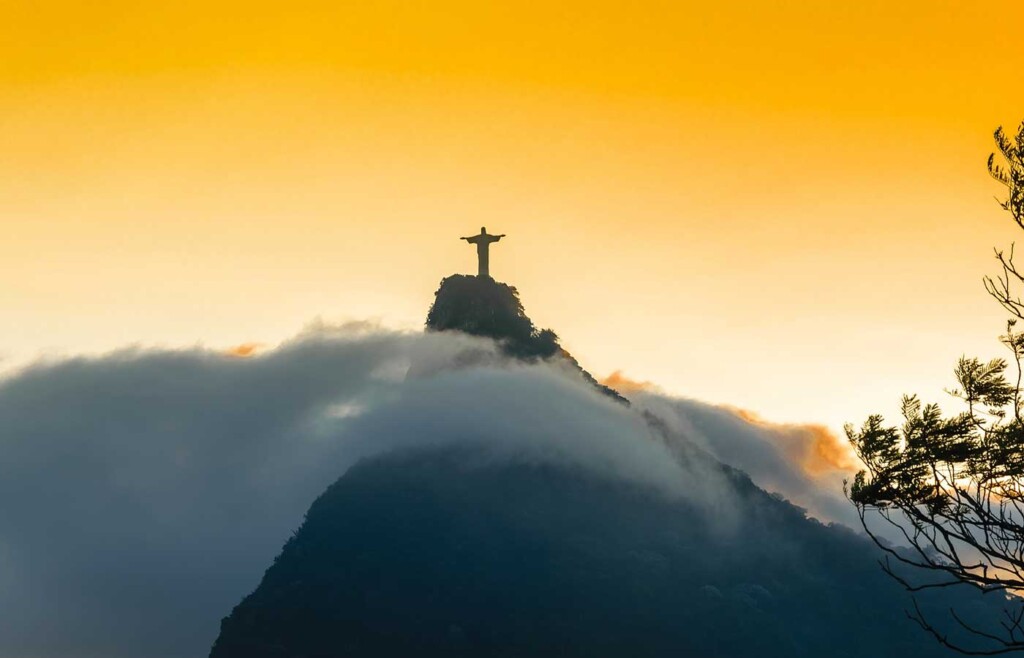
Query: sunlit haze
point(780, 206)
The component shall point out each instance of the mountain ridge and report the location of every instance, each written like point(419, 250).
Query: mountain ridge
point(450, 551)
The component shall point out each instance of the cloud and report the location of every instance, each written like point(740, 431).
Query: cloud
point(623, 384)
point(137, 482)
point(806, 464)
point(134, 485)
point(245, 349)
point(814, 447)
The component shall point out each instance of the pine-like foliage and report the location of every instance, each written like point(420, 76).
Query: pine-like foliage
point(953, 486)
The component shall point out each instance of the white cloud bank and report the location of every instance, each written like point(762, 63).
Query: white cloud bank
point(143, 493)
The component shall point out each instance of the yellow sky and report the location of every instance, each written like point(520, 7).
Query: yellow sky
point(777, 205)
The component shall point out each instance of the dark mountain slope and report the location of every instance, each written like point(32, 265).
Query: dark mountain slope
point(439, 554)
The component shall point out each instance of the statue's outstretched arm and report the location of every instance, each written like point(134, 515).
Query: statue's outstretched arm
point(466, 239)
point(500, 236)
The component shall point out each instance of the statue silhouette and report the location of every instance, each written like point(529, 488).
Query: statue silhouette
point(483, 242)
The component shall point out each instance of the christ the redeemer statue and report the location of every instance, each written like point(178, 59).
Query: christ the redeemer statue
point(483, 242)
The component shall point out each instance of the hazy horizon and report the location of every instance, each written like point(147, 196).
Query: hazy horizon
point(778, 206)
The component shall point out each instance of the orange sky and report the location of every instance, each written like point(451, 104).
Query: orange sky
point(776, 205)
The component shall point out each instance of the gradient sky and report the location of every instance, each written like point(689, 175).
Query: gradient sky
point(778, 205)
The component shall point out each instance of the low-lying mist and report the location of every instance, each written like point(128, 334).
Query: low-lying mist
point(143, 493)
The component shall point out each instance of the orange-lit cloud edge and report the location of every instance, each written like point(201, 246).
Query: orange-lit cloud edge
point(816, 449)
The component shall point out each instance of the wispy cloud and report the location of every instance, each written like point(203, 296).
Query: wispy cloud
point(143, 493)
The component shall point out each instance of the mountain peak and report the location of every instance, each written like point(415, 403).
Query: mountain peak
point(481, 306)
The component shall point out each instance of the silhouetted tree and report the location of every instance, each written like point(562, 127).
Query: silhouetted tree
point(953, 486)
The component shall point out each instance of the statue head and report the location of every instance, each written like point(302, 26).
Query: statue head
point(483, 229)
